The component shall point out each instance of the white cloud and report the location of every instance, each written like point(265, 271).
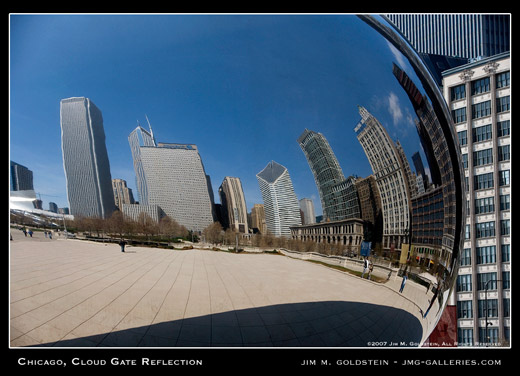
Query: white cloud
point(394, 108)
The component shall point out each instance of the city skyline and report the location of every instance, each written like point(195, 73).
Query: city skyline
point(231, 84)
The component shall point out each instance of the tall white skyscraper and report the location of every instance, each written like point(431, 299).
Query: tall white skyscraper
point(281, 205)
point(85, 159)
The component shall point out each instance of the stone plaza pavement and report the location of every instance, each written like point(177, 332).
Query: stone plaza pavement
point(73, 293)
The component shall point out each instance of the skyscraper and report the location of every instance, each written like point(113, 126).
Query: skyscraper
point(390, 175)
point(233, 204)
point(463, 35)
point(137, 138)
point(280, 202)
point(85, 159)
point(325, 168)
point(478, 95)
point(307, 207)
point(176, 181)
point(21, 178)
point(122, 194)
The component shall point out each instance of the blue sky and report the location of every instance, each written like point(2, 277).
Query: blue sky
point(240, 87)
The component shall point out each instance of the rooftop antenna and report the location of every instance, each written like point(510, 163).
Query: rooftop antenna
point(151, 131)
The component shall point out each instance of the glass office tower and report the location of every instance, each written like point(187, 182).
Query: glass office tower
point(137, 138)
point(85, 159)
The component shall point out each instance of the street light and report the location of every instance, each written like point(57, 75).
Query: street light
point(486, 308)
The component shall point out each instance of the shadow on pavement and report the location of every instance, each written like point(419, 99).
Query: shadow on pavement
point(312, 324)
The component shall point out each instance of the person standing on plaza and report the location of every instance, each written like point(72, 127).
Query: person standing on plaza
point(122, 244)
point(405, 277)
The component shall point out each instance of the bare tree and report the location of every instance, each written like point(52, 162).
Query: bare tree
point(213, 233)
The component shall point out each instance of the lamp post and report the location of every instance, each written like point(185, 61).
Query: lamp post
point(486, 308)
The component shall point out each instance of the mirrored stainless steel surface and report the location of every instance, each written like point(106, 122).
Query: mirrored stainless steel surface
point(404, 217)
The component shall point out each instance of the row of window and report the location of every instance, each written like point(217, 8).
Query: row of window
point(485, 181)
point(487, 229)
point(485, 133)
point(480, 86)
point(487, 204)
point(489, 310)
point(487, 336)
point(485, 255)
point(485, 281)
point(481, 109)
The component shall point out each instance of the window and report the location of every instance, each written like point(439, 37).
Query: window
point(507, 305)
point(487, 280)
point(486, 255)
point(467, 233)
point(465, 337)
point(484, 205)
point(490, 337)
point(503, 177)
point(459, 115)
point(482, 109)
point(465, 257)
point(503, 128)
point(464, 282)
point(458, 92)
point(504, 202)
point(506, 280)
point(465, 160)
point(465, 309)
point(492, 308)
point(503, 104)
point(502, 80)
point(482, 133)
point(505, 227)
point(503, 153)
point(463, 138)
point(482, 157)
point(506, 252)
point(485, 181)
point(480, 86)
point(484, 229)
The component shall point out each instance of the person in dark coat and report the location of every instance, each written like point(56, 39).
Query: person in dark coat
point(122, 243)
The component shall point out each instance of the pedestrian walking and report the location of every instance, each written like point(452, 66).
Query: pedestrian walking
point(122, 244)
point(370, 269)
point(405, 277)
point(365, 267)
point(30, 233)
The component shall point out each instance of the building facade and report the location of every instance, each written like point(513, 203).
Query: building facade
point(478, 95)
point(307, 208)
point(122, 194)
point(85, 159)
point(462, 35)
point(177, 182)
point(347, 232)
point(138, 138)
point(21, 178)
point(233, 203)
point(136, 211)
point(281, 205)
point(390, 176)
point(258, 219)
point(325, 168)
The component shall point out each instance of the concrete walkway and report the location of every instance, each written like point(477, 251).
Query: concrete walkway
point(72, 293)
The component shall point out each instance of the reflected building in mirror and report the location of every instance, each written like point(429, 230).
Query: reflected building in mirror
point(434, 240)
point(391, 178)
